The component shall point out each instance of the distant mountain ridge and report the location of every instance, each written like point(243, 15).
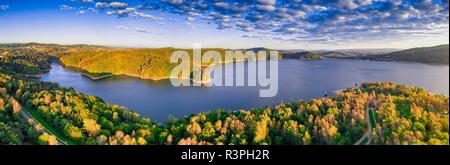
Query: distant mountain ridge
point(431, 55)
point(436, 54)
point(366, 52)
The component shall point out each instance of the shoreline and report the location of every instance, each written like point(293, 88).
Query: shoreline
point(140, 77)
point(92, 77)
point(33, 75)
point(37, 75)
point(95, 77)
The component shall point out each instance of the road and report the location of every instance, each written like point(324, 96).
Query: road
point(369, 128)
point(34, 122)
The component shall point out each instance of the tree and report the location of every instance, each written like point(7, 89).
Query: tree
point(73, 132)
point(194, 128)
point(261, 132)
point(47, 139)
point(102, 139)
point(9, 136)
point(141, 141)
point(208, 130)
point(91, 126)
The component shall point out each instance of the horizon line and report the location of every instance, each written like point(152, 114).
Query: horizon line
point(146, 47)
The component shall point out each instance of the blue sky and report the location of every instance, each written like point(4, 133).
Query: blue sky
point(281, 24)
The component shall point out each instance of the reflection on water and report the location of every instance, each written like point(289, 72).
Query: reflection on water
point(297, 80)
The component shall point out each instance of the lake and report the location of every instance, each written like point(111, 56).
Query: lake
point(297, 80)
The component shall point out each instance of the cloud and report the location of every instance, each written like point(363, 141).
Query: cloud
point(174, 2)
point(251, 36)
point(145, 16)
point(341, 20)
point(82, 12)
point(66, 7)
point(140, 30)
point(4, 7)
point(267, 2)
point(124, 27)
point(347, 4)
point(222, 5)
point(122, 12)
point(118, 5)
point(266, 8)
point(83, 1)
point(112, 5)
point(101, 5)
point(133, 28)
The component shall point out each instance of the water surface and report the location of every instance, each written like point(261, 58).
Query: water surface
point(297, 80)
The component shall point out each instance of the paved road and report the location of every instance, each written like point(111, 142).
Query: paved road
point(366, 135)
point(369, 128)
point(34, 122)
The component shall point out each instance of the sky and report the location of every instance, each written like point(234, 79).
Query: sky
point(278, 24)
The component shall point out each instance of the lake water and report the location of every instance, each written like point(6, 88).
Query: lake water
point(297, 80)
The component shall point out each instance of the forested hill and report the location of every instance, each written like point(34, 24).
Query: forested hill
point(374, 113)
point(149, 63)
point(437, 55)
point(302, 56)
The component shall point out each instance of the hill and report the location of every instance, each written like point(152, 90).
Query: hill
point(302, 56)
point(336, 54)
point(143, 63)
point(436, 54)
point(23, 60)
point(366, 52)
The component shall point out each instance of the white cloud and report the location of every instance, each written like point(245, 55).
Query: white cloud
point(140, 30)
point(4, 7)
point(145, 16)
point(66, 7)
point(365, 2)
point(267, 2)
point(222, 5)
point(122, 13)
point(83, 1)
point(101, 5)
point(118, 5)
point(347, 4)
point(174, 2)
point(266, 8)
point(133, 28)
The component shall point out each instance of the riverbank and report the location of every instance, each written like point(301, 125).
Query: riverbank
point(37, 75)
point(95, 77)
point(33, 75)
point(161, 78)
